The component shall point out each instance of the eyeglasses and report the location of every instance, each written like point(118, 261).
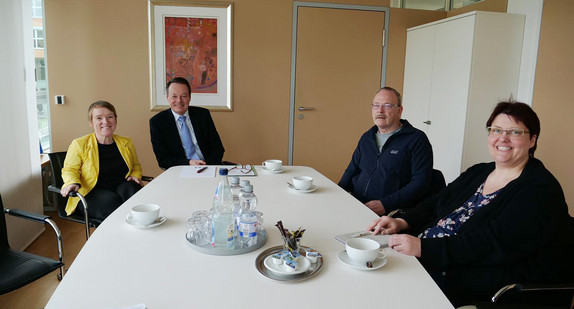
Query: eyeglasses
point(386, 106)
point(245, 169)
point(514, 133)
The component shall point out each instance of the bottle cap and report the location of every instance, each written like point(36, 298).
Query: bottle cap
point(234, 180)
point(245, 182)
point(222, 171)
point(248, 188)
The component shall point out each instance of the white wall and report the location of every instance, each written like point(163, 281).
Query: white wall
point(20, 181)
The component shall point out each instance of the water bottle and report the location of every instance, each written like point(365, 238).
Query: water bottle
point(235, 188)
point(247, 218)
point(244, 182)
point(223, 221)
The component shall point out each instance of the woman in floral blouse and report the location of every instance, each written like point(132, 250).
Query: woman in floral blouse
point(498, 223)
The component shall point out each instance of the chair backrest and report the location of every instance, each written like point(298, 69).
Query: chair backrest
point(437, 182)
point(3, 233)
point(57, 162)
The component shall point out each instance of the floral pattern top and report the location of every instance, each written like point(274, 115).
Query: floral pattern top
point(451, 223)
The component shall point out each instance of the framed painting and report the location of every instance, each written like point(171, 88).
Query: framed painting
point(193, 41)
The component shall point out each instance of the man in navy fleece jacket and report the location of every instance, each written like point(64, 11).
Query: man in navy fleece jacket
point(392, 165)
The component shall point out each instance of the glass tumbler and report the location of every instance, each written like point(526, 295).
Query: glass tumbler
point(199, 230)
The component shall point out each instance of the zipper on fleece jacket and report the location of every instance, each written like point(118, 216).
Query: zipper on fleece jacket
point(372, 172)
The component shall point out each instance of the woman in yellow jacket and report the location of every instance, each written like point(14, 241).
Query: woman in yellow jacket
point(102, 166)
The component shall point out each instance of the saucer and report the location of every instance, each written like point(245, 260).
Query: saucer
point(377, 263)
point(313, 188)
point(279, 171)
point(158, 221)
point(303, 265)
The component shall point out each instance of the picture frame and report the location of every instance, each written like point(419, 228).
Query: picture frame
point(193, 40)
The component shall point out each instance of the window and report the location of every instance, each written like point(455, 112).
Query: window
point(38, 38)
point(37, 8)
point(42, 101)
point(432, 5)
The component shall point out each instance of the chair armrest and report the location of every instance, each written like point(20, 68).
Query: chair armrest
point(566, 286)
point(27, 215)
point(42, 219)
point(393, 213)
point(147, 178)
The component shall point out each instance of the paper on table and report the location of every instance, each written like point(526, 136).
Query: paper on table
point(138, 306)
point(383, 240)
point(192, 171)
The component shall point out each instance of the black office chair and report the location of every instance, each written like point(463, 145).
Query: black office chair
point(437, 184)
point(559, 295)
point(57, 162)
point(19, 268)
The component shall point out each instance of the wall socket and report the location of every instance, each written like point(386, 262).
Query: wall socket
point(60, 100)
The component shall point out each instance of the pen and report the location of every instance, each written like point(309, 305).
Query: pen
point(361, 234)
point(201, 169)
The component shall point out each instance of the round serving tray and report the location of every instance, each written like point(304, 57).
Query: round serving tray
point(313, 270)
point(208, 249)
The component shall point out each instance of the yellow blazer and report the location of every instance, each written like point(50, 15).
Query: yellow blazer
point(82, 164)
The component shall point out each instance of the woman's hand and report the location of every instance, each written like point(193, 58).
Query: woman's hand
point(69, 188)
point(387, 225)
point(135, 179)
point(405, 244)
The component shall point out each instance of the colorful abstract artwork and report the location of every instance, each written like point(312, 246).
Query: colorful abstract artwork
point(191, 52)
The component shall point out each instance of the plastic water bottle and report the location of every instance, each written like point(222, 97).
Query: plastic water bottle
point(247, 218)
point(223, 226)
point(235, 190)
point(244, 183)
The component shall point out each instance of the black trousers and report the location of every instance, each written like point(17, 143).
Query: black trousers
point(102, 202)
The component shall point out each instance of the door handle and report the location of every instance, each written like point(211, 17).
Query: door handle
point(302, 108)
point(427, 122)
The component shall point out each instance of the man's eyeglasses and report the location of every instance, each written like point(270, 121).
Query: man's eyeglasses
point(386, 106)
point(514, 133)
point(245, 169)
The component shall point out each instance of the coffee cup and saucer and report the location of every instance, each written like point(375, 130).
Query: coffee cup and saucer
point(363, 254)
point(273, 166)
point(303, 184)
point(145, 216)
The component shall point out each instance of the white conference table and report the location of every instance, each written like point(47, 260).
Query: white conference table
point(121, 265)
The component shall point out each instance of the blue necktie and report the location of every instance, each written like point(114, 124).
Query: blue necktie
point(186, 138)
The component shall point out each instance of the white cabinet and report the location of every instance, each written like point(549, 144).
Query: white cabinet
point(456, 70)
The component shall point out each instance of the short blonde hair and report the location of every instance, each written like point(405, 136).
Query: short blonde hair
point(100, 103)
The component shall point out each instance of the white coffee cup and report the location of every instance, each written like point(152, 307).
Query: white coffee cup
point(145, 214)
point(273, 165)
point(302, 182)
point(363, 250)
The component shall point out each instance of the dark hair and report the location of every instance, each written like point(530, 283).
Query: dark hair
point(520, 112)
point(397, 94)
point(100, 103)
point(178, 80)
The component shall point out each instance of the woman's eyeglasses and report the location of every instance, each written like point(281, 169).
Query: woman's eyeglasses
point(514, 133)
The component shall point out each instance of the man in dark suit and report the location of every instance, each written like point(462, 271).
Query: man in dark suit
point(183, 134)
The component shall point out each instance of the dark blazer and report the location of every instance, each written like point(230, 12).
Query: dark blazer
point(167, 143)
point(523, 235)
